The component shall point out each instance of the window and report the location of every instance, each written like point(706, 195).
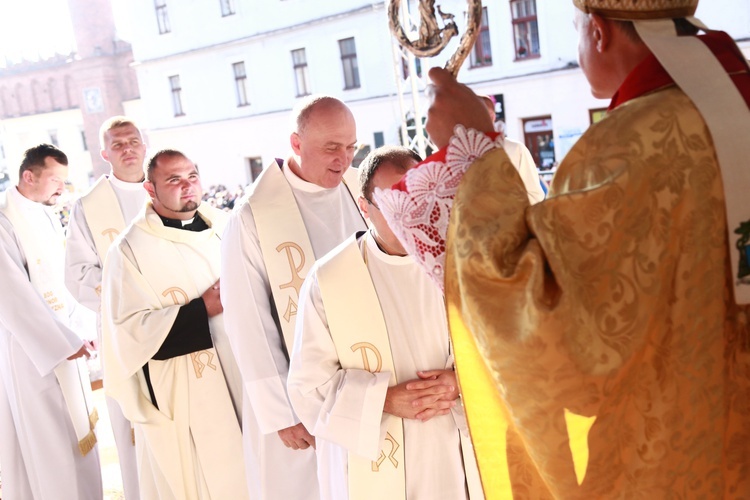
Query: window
point(405, 67)
point(525, 32)
point(84, 144)
point(482, 53)
point(240, 83)
point(255, 165)
point(360, 155)
point(227, 7)
point(349, 63)
point(379, 139)
point(539, 138)
point(299, 61)
point(162, 17)
point(174, 83)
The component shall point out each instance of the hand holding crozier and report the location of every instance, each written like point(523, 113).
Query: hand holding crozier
point(453, 104)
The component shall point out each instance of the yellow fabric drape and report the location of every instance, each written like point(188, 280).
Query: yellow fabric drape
point(611, 299)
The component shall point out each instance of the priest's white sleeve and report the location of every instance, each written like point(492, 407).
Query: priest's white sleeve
point(24, 313)
point(521, 158)
point(342, 406)
point(83, 268)
point(134, 323)
point(250, 325)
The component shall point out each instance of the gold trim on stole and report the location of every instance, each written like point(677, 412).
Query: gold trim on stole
point(103, 215)
point(287, 252)
point(72, 375)
point(359, 332)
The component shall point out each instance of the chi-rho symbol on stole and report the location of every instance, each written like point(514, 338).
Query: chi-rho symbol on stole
point(200, 359)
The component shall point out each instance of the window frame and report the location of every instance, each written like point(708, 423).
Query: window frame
point(240, 83)
point(162, 17)
point(176, 88)
point(528, 21)
point(478, 57)
point(349, 61)
point(301, 68)
point(227, 8)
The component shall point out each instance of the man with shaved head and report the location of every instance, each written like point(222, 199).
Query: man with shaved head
point(299, 209)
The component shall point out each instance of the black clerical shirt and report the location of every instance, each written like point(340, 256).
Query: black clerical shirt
point(190, 331)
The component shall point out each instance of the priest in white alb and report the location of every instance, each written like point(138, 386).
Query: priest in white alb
point(167, 361)
point(298, 210)
point(371, 373)
point(96, 219)
point(47, 443)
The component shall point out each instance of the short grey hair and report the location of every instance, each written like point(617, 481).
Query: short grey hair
point(303, 110)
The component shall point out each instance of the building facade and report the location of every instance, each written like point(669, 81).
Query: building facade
point(218, 78)
point(64, 100)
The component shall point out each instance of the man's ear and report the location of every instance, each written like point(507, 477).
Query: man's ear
point(294, 140)
point(601, 30)
point(149, 187)
point(28, 176)
point(104, 155)
point(363, 207)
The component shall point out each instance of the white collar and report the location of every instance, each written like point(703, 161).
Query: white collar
point(374, 250)
point(300, 184)
point(125, 186)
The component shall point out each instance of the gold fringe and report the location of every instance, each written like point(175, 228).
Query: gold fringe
point(93, 419)
point(132, 435)
point(87, 444)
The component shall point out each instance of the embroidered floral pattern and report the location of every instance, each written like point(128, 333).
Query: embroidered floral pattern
point(419, 217)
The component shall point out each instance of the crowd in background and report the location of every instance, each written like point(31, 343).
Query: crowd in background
point(217, 196)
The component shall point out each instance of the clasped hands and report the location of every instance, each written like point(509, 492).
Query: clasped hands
point(433, 394)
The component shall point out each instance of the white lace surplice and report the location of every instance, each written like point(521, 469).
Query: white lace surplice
point(419, 216)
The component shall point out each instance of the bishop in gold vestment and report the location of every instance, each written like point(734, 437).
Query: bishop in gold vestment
point(599, 347)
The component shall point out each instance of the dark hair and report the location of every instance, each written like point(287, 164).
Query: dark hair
point(396, 155)
point(164, 153)
point(33, 158)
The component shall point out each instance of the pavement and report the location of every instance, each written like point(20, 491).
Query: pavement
point(111, 478)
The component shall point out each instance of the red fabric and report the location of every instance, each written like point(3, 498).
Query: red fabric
point(438, 156)
point(649, 75)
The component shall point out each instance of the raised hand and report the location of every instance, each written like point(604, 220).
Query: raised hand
point(453, 104)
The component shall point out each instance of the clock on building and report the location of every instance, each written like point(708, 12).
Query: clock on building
point(93, 100)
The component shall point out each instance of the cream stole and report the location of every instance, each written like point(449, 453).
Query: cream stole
point(195, 382)
point(704, 80)
point(103, 215)
point(287, 252)
point(45, 262)
point(359, 333)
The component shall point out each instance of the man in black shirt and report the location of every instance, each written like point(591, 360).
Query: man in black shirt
point(166, 357)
